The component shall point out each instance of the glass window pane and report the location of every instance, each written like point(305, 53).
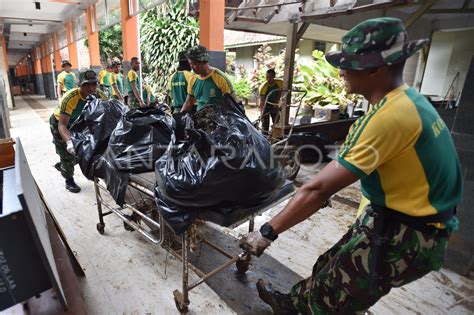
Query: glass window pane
point(80, 27)
point(101, 14)
point(113, 11)
point(50, 45)
point(62, 39)
point(147, 4)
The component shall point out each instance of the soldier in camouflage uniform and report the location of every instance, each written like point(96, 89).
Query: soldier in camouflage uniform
point(404, 156)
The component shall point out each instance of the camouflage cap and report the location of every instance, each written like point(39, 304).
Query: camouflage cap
point(87, 76)
point(66, 63)
point(182, 56)
point(374, 43)
point(198, 53)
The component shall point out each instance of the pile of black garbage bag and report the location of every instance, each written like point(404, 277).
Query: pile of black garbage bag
point(209, 160)
point(112, 141)
point(223, 161)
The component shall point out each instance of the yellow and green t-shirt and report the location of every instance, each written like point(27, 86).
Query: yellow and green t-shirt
point(106, 79)
point(178, 87)
point(101, 76)
point(147, 90)
point(116, 79)
point(266, 88)
point(209, 89)
point(132, 76)
point(404, 155)
point(120, 82)
point(72, 105)
point(67, 80)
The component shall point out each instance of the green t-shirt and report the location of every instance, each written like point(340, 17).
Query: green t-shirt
point(178, 87)
point(266, 89)
point(68, 80)
point(132, 76)
point(404, 155)
point(120, 82)
point(209, 90)
point(107, 79)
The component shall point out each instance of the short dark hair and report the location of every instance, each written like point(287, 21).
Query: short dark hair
point(271, 71)
point(134, 59)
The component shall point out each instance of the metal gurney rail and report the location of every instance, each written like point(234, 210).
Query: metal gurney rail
point(140, 200)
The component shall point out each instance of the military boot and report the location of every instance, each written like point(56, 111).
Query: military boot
point(280, 303)
point(72, 186)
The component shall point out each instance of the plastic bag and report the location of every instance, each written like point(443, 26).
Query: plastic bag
point(231, 165)
point(91, 131)
point(140, 138)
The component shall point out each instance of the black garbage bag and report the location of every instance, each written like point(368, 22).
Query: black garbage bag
point(230, 163)
point(91, 131)
point(140, 138)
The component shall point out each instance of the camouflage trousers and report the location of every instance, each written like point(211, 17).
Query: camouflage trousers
point(133, 101)
point(339, 283)
point(67, 160)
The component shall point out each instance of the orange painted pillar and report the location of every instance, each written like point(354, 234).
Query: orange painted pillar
point(93, 38)
point(57, 55)
point(211, 30)
point(130, 33)
point(71, 45)
point(211, 24)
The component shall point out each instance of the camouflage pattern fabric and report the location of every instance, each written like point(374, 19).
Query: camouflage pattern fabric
point(373, 43)
point(340, 279)
point(133, 101)
point(67, 160)
point(198, 53)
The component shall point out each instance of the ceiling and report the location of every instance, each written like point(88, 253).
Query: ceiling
point(24, 25)
point(439, 15)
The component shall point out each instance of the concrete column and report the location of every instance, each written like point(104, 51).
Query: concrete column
point(130, 37)
point(72, 46)
point(38, 72)
point(211, 30)
point(93, 39)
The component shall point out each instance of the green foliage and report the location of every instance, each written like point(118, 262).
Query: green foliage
point(322, 82)
point(264, 61)
point(110, 43)
point(164, 32)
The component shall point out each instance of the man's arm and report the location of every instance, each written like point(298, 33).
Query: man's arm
point(117, 91)
point(136, 93)
point(312, 195)
point(148, 98)
point(60, 89)
point(62, 127)
point(188, 104)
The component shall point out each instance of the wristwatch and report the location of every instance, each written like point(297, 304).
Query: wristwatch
point(267, 231)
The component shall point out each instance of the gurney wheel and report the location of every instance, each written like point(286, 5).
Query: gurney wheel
point(242, 265)
point(181, 305)
point(101, 228)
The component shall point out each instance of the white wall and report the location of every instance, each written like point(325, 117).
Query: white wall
point(4, 73)
point(450, 53)
point(306, 48)
point(244, 56)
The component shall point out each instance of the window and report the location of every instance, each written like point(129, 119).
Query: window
point(80, 27)
point(113, 12)
point(137, 6)
point(321, 46)
point(101, 14)
point(62, 39)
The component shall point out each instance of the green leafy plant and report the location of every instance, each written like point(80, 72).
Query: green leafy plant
point(110, 43)
point(164, 32)
point(241, 84)
point(322, 83)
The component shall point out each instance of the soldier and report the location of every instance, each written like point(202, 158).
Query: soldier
point(403, 153)
point(61, 120)
point(133, 81)
point(178, 83)
point(116, 82)
point(66, 79)
point(208, 85)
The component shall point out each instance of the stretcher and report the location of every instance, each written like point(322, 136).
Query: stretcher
point(140, 200)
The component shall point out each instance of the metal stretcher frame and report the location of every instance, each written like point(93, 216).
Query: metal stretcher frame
point(181, 298)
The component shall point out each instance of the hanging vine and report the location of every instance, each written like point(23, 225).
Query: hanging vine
point(164, 32)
